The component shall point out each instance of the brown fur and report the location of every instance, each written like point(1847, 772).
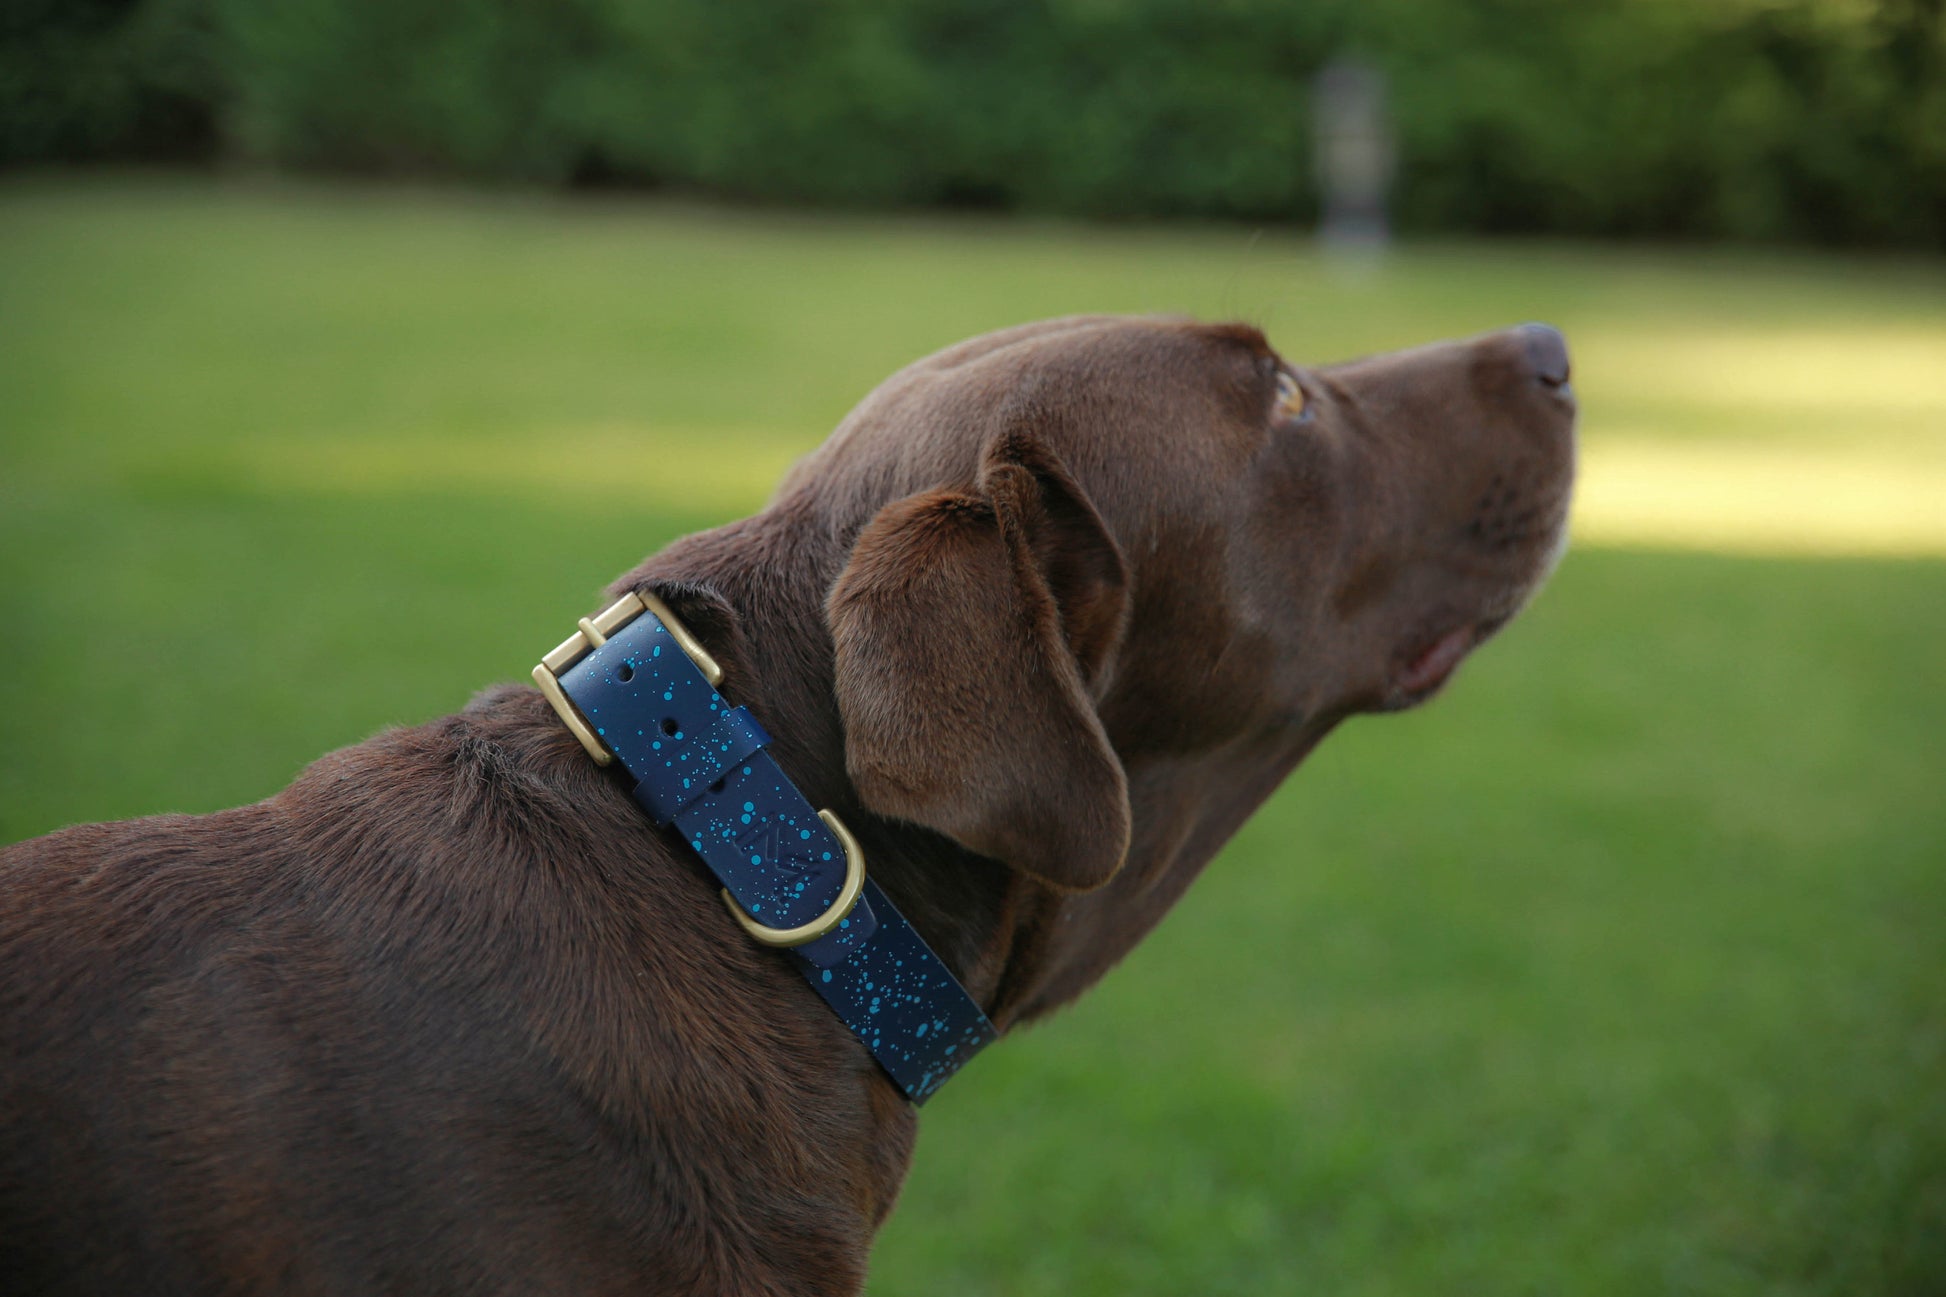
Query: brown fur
point(1045, 620)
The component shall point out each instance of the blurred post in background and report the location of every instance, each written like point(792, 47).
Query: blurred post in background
point(1355, 156)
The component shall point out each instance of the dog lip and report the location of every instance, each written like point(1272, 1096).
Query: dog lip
point(1433, 664)
point(1432, 660)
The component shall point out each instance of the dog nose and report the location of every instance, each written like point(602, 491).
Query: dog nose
point(1547, 353)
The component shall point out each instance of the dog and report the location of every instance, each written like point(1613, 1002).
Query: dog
point(1043, 621)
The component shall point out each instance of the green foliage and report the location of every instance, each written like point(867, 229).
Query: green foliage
point(1805, 119)
point(86, 78)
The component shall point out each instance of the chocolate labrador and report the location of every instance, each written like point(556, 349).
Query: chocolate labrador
point(461, 1010)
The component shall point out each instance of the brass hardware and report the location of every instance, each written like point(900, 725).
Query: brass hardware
point(551, 690)
point(593, 633)
point(831, 918)
point(690, 644)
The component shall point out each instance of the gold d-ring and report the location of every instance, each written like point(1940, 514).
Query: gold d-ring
point(831, 918)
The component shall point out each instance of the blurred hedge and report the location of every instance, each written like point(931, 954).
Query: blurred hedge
point(1767, 119)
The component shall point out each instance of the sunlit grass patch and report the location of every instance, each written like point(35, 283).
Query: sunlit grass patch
point(725, 471)
point(1759, 498)
point(1727, 497)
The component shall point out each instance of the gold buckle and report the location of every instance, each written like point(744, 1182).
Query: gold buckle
point(593, 634)
point(831, 918)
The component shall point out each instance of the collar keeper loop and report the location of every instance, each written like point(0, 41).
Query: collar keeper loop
point(690, 763)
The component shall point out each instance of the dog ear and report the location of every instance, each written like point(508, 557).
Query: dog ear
point(973, 632)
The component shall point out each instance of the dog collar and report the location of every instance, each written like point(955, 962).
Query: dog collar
point(636, 687)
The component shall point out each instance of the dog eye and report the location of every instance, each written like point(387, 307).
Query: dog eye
point(1291, 406)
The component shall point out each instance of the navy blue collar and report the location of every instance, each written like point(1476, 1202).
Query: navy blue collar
point(635, 686)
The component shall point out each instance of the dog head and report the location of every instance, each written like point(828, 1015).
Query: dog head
point(1090, 548)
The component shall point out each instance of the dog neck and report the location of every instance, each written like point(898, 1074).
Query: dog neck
point(1020, 948)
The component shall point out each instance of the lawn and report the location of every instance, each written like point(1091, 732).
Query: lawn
point(1620, 969)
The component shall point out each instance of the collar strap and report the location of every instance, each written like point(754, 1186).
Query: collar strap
point(636, 687)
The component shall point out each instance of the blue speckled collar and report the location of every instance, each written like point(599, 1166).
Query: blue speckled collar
point(627, 686)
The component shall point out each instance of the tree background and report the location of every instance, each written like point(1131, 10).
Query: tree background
point(1770, 120)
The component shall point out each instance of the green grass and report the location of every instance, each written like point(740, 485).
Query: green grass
point(1620, 969)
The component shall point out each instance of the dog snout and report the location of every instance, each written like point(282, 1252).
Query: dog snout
point(1546, 352)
